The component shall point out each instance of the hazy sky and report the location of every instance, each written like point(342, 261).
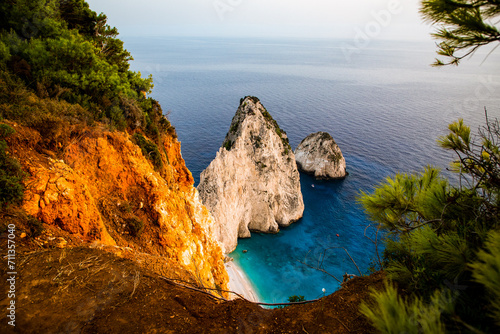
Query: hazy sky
point(385, 19)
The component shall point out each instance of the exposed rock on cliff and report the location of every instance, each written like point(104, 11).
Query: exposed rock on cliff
point(253, 183)
point(318, 154)
point(100, 188)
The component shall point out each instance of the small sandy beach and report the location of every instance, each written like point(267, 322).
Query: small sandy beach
point(239, 282)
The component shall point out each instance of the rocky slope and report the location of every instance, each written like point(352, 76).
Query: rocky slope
point(253, 183)
point(319, 154)
point(101, 189)
point(85, 290)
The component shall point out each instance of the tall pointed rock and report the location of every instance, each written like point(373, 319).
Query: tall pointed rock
point(253, 183)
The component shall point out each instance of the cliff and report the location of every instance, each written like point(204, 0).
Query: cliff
point(100, 189)
point(83, 290)
point(253, 182)
point(319, 154)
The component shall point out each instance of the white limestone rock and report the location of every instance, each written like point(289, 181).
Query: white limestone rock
point(318, 154)
point(253, 183)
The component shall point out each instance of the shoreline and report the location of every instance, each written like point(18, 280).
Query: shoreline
point(239, 282)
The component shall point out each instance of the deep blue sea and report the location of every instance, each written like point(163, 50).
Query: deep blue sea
point(384, 105)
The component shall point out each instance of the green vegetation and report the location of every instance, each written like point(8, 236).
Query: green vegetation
point(271, 123)
point(296, 299)
point(466, 25)
point(64, 48)
point(35, 227)
point(149, 150)
point(135, 226)
point(334, 157)
point(5, 131)
point(390, 313)
point(256, 140)
point(293, 299)
point(260, 165)
point(11, 174)
point(125, 207)
point(62, 65)
point(228, 144)
point(442, 240)
point(234, 127)
point(253, 98)
point(279, 131)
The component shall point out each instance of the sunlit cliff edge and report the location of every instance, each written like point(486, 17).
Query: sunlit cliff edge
point(104, 192)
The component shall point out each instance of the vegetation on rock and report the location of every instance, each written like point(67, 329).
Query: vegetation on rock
point(149, 150)
point(61, 64)
point(11, 174)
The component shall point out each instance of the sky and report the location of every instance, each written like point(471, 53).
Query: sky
point(354, 19)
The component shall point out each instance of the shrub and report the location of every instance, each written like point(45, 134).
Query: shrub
point(442, 241)
point(125, 207)
point(296, 299)
point(117, 118)
point(11, 178)
point(293, 299)
point(51, 128)
point(35, 227)
point(228, 145)
point(487, 272)
point(135, 226)
point(5, 131)
point(234, 127)
point(149, 150)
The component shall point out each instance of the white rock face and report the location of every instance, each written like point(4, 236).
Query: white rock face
point(318, 154)
point(253, 182)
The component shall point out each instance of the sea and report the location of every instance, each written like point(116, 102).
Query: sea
point(382, 102)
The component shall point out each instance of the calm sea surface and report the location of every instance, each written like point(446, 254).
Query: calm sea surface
point(384, 105)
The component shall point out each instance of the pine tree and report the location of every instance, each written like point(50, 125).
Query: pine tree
point(466, 25)
point(442, 241)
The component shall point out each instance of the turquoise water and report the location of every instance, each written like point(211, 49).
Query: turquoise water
point(272, 261)
point(385, 107)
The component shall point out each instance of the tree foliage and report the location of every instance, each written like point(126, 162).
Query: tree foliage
point(443, 239)
point(390, 313)
point(61, 64)
point(487, 272)
point(62, 49)
point(466, 25)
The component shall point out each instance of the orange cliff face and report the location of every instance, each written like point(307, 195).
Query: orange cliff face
point(101, 188)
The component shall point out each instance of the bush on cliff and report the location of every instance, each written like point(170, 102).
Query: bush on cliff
point(135, 226)
point(11, 174)
point(62, 50)
point(149, 150)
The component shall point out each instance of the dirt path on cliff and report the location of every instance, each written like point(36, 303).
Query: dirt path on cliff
point(86, 290)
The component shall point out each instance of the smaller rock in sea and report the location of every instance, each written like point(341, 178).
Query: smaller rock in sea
point(319, 154)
